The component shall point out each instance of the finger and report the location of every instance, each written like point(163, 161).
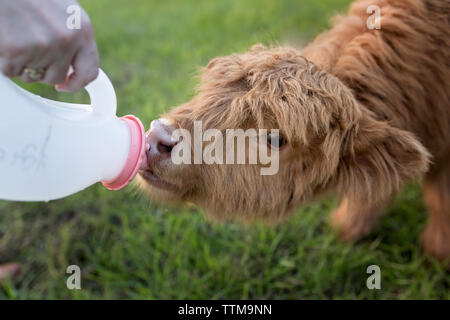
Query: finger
point(7, 68)
point(25, 77)
point(58, 68)
point(13, 58)
point(56, 73)
point(85, 67)
point(39, 61)
point(12, 67)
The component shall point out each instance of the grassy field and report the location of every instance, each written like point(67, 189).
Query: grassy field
point(129, 247)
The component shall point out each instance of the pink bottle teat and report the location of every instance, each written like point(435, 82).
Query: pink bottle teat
point(137, 157)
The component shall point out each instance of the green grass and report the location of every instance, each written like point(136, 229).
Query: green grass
point(129, 247)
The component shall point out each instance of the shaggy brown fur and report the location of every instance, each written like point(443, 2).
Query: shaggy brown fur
point(363, 112)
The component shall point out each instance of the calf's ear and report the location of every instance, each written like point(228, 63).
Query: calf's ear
point(377, 159)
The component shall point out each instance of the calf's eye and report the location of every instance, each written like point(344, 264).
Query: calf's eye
point(275, 141)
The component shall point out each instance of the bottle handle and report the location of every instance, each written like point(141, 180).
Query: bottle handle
point(102, 95)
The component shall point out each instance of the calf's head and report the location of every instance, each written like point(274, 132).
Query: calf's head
point(326, 139)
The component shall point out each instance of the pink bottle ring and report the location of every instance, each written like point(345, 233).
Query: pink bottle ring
point(136, 157)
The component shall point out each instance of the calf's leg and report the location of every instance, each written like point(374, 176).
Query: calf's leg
point(436, 188)
point(353, 220)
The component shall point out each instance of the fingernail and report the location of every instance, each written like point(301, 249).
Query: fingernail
point(60, 88)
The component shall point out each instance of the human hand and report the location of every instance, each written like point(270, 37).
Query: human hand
point(34, 36)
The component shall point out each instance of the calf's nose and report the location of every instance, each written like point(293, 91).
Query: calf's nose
point(159, 138)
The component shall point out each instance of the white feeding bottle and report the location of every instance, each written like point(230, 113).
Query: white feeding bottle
point(51, 149)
